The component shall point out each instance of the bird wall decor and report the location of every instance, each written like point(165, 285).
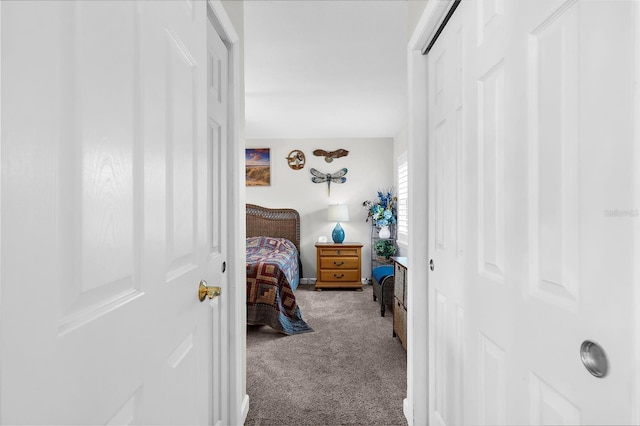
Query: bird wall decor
point(337, 177)
point(330, 155)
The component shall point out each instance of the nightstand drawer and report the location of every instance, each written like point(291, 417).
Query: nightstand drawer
point(333, 251)
point(339, 275)
point(339, 263)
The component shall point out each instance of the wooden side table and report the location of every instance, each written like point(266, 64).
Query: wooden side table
point(339, 265)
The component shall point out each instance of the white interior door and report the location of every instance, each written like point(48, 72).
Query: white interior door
point(531, 110)
point(108, 185)
point(446, 324)
point(217, 236)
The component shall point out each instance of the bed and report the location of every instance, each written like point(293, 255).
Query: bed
point(274, 269)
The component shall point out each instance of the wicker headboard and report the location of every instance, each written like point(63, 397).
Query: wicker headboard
point(263, 221)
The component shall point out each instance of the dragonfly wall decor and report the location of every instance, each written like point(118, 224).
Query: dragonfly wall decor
point(337, 177)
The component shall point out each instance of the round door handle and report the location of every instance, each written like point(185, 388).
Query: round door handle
point(594, 358)
point(432, 265)
point(205, 291)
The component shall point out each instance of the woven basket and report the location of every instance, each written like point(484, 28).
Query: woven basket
point(382, 259)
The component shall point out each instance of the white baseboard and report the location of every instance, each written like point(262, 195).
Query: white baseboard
point(244, 409)
point(407, 411)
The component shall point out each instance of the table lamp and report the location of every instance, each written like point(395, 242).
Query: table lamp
point(338, 213)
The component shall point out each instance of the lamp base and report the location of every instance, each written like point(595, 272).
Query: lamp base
point(338, 234)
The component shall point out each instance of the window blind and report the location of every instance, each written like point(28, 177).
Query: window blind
point(403, 192)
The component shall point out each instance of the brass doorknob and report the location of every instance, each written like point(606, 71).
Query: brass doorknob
point(204, 291)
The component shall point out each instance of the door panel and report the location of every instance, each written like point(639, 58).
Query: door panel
point(98, 166)
point(182, 162)
point(544, 261)
point(490, 174)
point(553, 159)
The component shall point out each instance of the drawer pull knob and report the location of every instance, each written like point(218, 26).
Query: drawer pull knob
point(336, 276)
point(338, 264)
point(339, 252)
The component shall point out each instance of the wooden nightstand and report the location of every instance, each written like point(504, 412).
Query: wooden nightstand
point(339, 265)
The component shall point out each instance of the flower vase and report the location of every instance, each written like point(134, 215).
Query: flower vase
point(384, 232)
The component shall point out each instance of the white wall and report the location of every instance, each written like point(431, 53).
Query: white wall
point(414, 12)
point(235, 11)
point(371, 165)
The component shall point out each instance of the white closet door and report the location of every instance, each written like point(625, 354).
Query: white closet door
point(531, 141)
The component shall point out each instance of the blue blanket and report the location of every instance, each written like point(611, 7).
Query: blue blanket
point(272, 275)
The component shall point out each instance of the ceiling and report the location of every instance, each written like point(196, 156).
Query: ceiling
point(325, 68)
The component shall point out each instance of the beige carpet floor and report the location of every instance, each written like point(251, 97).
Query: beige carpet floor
point(349, 371)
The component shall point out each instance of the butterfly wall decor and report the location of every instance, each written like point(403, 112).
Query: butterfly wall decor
point(337, 177)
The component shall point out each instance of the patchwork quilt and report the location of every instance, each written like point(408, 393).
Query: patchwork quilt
point(272, 273)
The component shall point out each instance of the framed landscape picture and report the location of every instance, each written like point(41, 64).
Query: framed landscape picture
point(257, 167)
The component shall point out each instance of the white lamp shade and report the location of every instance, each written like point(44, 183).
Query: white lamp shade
point(338, 213)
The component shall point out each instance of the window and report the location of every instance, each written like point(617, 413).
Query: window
point(403, 192)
